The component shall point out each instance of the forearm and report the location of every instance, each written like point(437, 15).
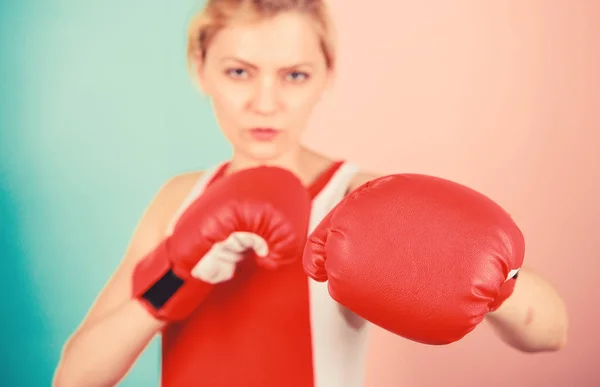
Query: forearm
point(534, 318)
point(102, 354)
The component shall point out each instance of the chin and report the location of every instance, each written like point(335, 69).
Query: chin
point(265, 151)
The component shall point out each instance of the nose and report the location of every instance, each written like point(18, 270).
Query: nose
point(266, 99)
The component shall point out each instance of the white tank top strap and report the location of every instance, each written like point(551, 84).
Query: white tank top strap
point(339, 348)
point(333, 192)
point(195, 192)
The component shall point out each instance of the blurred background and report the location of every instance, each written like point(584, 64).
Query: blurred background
point(501, 96)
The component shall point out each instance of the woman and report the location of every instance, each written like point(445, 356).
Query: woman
point(264, 64)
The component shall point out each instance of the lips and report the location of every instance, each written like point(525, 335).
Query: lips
point(264, 134)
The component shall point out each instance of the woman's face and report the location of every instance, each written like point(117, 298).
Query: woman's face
point(264, 79)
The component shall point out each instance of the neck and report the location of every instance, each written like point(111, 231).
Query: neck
point(297, 161)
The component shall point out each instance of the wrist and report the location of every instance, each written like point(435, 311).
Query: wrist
point(161, 291)
point(166, 293)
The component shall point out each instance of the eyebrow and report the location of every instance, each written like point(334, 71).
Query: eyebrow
point(252, 65)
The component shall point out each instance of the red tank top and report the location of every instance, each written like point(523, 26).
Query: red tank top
point(252, 331)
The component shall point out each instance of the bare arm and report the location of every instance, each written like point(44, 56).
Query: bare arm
point(117, 329)
point(102, 354)
point(534, 318)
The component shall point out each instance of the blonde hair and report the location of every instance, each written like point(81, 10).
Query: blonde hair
point(217, 13)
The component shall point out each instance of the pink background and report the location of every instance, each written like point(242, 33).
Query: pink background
point(501, 96)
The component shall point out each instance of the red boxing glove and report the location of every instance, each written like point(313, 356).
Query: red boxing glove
point(265, 209)
point(422, 257)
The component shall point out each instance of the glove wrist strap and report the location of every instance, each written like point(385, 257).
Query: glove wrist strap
point(163, 290)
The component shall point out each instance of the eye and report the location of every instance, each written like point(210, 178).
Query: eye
point(237, 73)
point(296, 76)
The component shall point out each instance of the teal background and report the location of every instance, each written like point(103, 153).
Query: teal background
point(97, 110)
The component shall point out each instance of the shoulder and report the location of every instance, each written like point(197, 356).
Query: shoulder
point(171, 196)
point(360, 178)
point(181, 184)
